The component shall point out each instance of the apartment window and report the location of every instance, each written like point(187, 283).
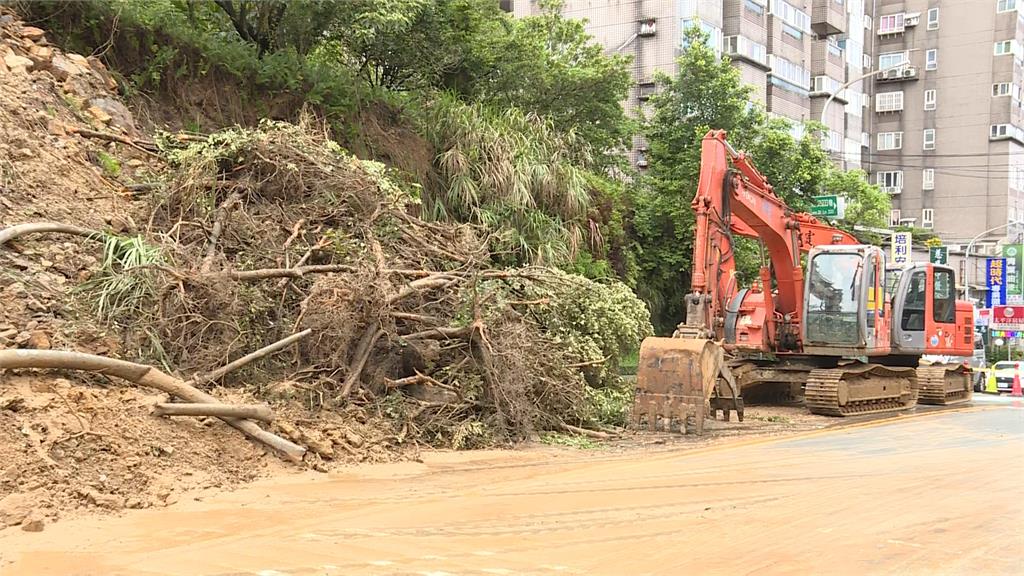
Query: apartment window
point(1003, 47)
point(928, 179)
point(889, 102)
point(1006, 5)
point(867, 22)
point(828, 85)
point(747, 48)
point(931, 59)
point(928, 139)
point(867, 62)
point(891, 24)
point(998, 130)
point(754, 7)
point(890, 140)
point(714, 33)
point(929, 99)
point(832, 141)
point(791, 15)
point(1001, 89)
point(891, 60)
point(894, 217)
point(928, 218)
point(890, 181)
point(933, 19)
point(788, 72)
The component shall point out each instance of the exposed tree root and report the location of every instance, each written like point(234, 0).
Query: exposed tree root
point(19, 230)
point(144, 376)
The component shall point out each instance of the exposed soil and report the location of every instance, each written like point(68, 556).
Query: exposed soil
point(875, 499)
point(73, 444)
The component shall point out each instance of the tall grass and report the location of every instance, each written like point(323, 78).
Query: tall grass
point(126, 280)
point(512, 172)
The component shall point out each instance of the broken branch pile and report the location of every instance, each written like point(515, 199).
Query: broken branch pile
point(264, 232)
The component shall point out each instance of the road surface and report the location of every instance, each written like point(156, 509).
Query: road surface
point(937, 493)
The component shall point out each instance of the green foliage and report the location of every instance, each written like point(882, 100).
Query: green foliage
point(550, 66)
point(866, 204)
point(611, 405)
point(157, 43)
point(125, 281)
point(111, 166)
point(511, 172)
point(706, 93)
point(597, 322)
point(568, 440)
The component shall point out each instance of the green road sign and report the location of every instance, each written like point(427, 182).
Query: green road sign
point(1013, 254)
point(827, 206)
point(938, 255)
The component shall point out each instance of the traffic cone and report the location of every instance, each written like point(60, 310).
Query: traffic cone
point(1015, 392)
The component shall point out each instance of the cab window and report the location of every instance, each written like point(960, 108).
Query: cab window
point(944, 297)
point(913, 305)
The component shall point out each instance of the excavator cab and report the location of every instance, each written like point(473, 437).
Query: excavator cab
point(929, 320)
point(845, 311)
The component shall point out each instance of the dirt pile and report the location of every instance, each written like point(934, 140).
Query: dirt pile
point(84, 442)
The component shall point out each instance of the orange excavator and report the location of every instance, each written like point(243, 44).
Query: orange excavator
point(848, 335)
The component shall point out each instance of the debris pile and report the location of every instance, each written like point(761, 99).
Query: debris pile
point(187, 252)
point(277, 229)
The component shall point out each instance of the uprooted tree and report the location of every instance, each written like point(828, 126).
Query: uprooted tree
point(260, 233)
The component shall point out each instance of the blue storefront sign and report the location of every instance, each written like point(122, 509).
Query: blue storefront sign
point(995, 281)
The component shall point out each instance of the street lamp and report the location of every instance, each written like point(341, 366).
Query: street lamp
point(858, 79)
point(967, 253)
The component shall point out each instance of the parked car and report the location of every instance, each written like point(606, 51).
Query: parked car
point(1003, 373)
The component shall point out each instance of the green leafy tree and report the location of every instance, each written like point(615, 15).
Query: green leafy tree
point(550, 66)
point(706, 93)
point(866, 204)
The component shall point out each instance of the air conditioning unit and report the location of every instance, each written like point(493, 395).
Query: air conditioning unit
point(645, 90)
point(909, 72)
point(892, 74)
point(911, 19)
point(892, 190)
point(648, 27)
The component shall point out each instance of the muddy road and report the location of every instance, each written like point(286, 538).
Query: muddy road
point(935, 493)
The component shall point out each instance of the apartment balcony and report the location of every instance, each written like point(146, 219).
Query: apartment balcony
point(828, 17)
point(827, 59)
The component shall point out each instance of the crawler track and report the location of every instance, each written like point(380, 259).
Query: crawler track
point(865, 389)
point(943, 385)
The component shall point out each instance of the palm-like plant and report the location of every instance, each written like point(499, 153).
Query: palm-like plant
point(512, 172)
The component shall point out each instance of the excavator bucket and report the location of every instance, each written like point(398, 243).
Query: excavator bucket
point(675, 379)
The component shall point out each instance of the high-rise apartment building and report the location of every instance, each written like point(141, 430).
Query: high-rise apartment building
point(946, 118)
point(793, 53)
point(932, 105)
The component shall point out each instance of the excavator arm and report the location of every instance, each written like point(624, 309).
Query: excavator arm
point(734, 198)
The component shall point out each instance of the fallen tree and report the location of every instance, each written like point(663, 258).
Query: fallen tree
point(144, 376)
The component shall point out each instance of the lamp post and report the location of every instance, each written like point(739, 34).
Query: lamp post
point(967, 253)
point(858, 79)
